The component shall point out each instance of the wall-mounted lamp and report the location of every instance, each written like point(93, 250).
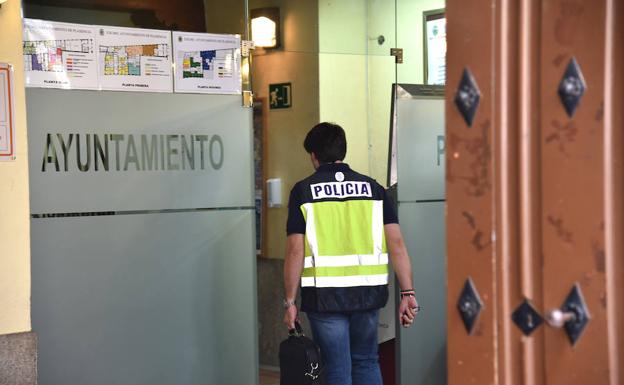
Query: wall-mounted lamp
point(265, 27)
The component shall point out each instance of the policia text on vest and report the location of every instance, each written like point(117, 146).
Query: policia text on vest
point(124, 152)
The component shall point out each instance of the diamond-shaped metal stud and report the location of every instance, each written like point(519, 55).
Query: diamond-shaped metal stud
point(576, 304)
point(572, 87)
point(467, 96)
point(469, 305)
point(527, 318)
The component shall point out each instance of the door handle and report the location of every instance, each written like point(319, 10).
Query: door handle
point(573, 316)
point(557, 318)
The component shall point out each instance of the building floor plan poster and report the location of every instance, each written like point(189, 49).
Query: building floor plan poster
point(207, 63)
point(132, 59)
point(7, 126)
point(59, 55)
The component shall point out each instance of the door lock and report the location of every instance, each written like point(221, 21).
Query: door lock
point(527, 318)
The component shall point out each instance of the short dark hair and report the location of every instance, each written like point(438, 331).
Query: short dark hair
point(327, 141)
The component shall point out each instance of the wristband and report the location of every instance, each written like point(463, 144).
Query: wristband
point(407, 295)
point(289, 303)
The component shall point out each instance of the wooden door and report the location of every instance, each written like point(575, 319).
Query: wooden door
point(535, 122)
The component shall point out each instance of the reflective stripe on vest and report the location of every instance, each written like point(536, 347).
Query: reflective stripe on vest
point(346, 260)
point(345, 244)
point(356, 280)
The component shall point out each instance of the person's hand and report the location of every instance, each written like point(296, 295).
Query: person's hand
point(407, 310)
point(290, 316)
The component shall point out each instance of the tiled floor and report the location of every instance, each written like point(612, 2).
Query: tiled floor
point(269, 377)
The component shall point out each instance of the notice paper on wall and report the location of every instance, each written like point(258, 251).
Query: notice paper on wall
point(132, 59)
point(59, 55)
point(7, 115)
point(207, 63)
point(436, 51)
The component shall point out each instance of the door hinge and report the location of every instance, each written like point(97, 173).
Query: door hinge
point(248, 99)
point(398, 54)
point(246, 47)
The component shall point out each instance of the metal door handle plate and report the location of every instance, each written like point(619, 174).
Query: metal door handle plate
point(573, 315)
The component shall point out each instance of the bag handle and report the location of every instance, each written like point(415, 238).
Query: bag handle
point(297, 331)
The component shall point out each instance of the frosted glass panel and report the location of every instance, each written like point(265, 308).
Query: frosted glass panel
point(423, 346)
point(116, 151)
point(420, 145)
point(145, 299)
point(155, 284)
point(420, 166)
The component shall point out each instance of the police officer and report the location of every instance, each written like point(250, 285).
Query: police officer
point(341, 228)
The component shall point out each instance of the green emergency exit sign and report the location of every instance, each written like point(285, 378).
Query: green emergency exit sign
point(280, 95)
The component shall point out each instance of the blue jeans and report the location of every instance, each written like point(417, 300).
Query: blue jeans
point(349, 346)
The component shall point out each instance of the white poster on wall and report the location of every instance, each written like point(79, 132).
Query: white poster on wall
point(59, 55)
point(207, 63)
point(436, 51)
point(132, 59)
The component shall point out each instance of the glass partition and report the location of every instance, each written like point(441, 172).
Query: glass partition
point(142, 217)
point(419, 121)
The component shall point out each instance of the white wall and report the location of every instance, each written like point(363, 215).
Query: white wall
point(343, 74)
point(381, 76)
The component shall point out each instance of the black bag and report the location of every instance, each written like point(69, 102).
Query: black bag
point(300, 360)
